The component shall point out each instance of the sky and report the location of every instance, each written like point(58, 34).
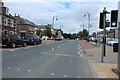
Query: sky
point(70, 13)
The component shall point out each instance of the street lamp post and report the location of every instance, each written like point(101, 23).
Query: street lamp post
point(88, 23)
point(61, 27)
point(53, 21)
point(82, 26)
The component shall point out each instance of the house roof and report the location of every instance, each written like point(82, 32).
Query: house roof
point(22, 21)
point(43, 26)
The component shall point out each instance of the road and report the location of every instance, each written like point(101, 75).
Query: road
point(62, 59)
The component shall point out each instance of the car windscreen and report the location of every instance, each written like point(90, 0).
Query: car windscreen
point(36, 37)
point(15, 37)
point(28, 37)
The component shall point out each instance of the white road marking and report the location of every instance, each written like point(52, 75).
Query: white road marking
point(65, 75)
point(18, 69)
point(59, 46)
point(52, 49)
point(80, 53)
point(9, 67)
point(29, 70)
point(52, 74)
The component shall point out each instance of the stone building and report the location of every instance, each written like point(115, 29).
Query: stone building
point(24, 27)
point(7, 21)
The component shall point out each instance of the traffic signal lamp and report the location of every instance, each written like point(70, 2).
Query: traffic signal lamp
point(114, 17)
point(104, 39)
point(101, 21)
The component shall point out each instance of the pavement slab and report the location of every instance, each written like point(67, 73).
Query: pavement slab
point(104, 70)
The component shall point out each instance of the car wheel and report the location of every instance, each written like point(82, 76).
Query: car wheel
point(13, 45)
point(24, 44)
point(34, 43)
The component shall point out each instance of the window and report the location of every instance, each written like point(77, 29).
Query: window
point(0, 20)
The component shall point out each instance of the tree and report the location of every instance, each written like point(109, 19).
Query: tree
point(65, 35)
point(73, 36)
point(84, 33)
point(94, 34)
point(48, 32)
point(38, 32)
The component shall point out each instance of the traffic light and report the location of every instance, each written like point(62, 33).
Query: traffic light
point(114, 17)
point(101, 21)
point(104, 39)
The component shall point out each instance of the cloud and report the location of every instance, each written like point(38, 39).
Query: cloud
point(69, 14)
point(61, 0)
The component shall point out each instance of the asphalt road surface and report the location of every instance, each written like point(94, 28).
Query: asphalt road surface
point(62, 59)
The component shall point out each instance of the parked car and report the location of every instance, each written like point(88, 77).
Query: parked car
point(109, 40)
point(32, 39)
point(92, 39)
point(0, 40)
point(112, 42)
point(12, 40)
point(59, 38)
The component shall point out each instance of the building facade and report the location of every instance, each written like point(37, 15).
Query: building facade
point(7, 21)
point(24, 27)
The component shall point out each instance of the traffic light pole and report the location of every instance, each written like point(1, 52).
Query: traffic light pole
point(88, 25)
point(118, 65)
point(117, 70)
point(104, 36)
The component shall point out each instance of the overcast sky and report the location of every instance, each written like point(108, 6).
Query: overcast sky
point(70, 13)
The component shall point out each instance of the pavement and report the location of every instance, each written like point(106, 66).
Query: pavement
point(93, 53)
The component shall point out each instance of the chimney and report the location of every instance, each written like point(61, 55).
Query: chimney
point(1, 4)
point(15, 14)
